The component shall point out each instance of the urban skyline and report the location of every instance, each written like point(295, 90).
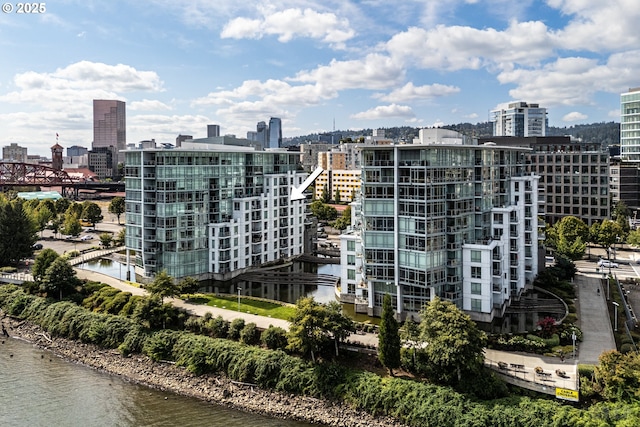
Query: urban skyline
point(182, 65)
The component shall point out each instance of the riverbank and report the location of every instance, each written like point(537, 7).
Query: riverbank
point(211, 388)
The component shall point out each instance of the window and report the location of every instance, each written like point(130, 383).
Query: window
point(476, 288)
point(351, 245)
point(476, 304)
point(476, 256)
point(476, 272)
point(351, 259)
point(351, 274)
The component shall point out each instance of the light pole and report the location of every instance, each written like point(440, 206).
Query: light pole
point(615, 316)
point(238, 298)
point(573, 339)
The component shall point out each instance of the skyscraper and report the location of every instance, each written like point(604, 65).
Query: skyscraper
point(262, 134)
point(213, 131)
point(275, 133)
point(520, 119)
point(110, 127)
point(629, 125)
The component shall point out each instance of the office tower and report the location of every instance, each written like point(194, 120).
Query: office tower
point(14, 153)
point(262, 134)
point(213, 131)
point(110, 128)
point(76, 151)
point(211, 211)
point(275, 133)
point(574, 176)
point(630, 125)
point(458, 222)
point(520, 119)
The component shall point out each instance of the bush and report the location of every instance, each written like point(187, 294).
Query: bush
point(626, 348)
point(249, 334)
point(554, 341)
point(218, 327)
point(234, 329)
point(274, 337)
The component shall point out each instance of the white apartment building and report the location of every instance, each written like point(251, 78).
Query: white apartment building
point(455, 221)
point(211, 211)
point(519, 119)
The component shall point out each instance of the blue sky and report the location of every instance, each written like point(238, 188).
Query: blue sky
point(181, 65)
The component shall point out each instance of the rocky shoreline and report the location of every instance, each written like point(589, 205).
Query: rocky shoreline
point(215, 389)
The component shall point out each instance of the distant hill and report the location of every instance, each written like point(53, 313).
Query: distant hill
point(605, 132)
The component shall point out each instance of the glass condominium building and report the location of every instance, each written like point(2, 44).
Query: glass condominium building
point(211, 211)
point(630, 126)
point(455, 221)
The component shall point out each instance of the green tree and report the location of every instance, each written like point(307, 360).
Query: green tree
point(454, 344)
point(322, 211)
point(59, 278)
point(337, 325)
point(117, 206)
point(618, 376)
point(606, 233)
point(337, 197)
point(325, 197)
point(71, 225)
point(189, 285)
point(274, 337)
point(344, 221)
point(621, 214)
point(42, 262)
point(313, 325)
point(62, 205)
point(389, 337)
point(106, 239)
point(43, 215)
point(410, 338)
point(119, 239)
point(18, 232)
point(569, 237)
point(163, 286)
point(92, 213)
point(634, 238)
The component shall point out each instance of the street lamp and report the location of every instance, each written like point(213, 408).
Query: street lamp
point(238, 298)
point(573, 339)
point(615, 315)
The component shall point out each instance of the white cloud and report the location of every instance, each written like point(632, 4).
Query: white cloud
point(289, 24)
point(614, 114)
point(409, 92)
point(385, 111)
point(471, 116)
point(574, 116)
point(148, 105)
point(457, 47)
point(573, 81)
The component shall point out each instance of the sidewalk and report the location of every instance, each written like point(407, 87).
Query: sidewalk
point(594, 318)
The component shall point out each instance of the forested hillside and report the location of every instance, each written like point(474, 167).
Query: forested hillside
point(606, 132)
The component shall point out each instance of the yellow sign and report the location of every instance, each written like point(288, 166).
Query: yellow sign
point(566, 394)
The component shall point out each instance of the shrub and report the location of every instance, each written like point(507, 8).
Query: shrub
point(134, 341)
point(159, 346)
point(234, 329)
point(217, 327)
point(554, 341)
point(274, 337)
point(249, 334)
point(626, 348)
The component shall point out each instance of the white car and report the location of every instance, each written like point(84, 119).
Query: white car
point(607, 264)
point(86, 237)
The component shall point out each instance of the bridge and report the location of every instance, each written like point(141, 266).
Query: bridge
point(15, 174)
point(19, 278)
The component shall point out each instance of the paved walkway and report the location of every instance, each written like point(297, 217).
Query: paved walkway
point(594, 318)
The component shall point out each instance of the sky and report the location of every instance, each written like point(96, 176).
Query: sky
point(317, 65)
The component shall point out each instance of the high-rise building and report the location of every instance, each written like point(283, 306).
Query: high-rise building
point(519, 119)
point(110, 128)
point(574, 175)
point(211, 211)
point(76, 151)
point(181, 138)
point(459, 222)
point(262, 137)
point(275, 133)
point(213, 130)
point(14, 153)
point(630, 125)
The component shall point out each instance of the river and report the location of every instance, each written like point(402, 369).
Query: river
point(39, 389)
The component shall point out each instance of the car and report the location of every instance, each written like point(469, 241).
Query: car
point(86, 237)
point(607, 264)
point(37, 246)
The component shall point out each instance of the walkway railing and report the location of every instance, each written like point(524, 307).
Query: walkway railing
point(94, 254)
